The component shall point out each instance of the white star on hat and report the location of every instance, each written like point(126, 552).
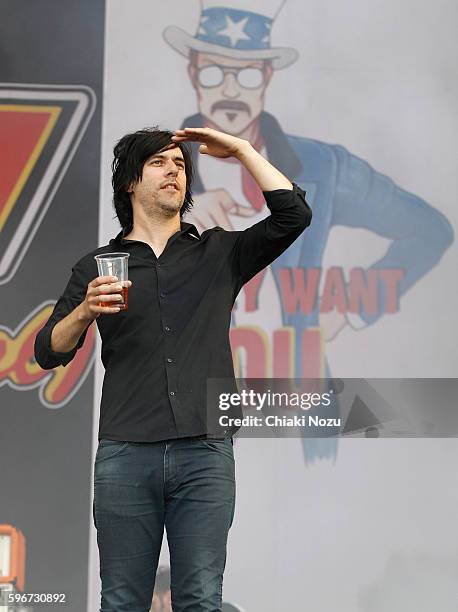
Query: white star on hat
point(234, 30)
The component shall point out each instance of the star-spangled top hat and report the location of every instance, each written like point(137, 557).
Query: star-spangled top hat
point(240, 29)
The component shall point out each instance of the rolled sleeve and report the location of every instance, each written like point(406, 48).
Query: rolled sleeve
point(45, 356)
point(259, 245)
point(290, 206)
point(73, 296)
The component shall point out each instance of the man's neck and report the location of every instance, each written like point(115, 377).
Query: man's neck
point(154, 232)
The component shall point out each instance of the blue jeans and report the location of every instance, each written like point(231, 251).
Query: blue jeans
point(186, 486)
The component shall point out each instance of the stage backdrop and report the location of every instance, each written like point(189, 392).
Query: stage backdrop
point(358, 109)
point(50, 117)
point(356, 102)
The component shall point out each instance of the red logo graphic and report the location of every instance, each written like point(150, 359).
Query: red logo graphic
point(19, 369)
point(40, 129)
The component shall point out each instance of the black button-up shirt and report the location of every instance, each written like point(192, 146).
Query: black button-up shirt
point(159, 353)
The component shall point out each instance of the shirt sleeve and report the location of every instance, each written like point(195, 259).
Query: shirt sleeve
point(259, 245)
point(73, 295)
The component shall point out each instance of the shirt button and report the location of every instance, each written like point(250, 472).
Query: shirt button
point(162, 294)
point(169, 360)
point(167, 328)
point(172, 392)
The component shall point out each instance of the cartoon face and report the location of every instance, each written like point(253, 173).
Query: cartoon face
point(230, 92)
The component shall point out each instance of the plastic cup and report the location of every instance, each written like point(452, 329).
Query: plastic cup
point(115, 264)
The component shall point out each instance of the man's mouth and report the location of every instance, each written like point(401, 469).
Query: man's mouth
point(170, 187)
point(231, 107)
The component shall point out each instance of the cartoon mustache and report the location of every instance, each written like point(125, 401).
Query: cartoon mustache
point(231, 105)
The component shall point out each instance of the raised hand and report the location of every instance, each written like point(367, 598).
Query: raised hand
point(219, 144)
point(214, 143)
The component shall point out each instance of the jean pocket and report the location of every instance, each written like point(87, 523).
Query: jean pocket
point(220, 445)
point(108, 449)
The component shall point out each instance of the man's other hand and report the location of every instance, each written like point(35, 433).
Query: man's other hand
point(213, 207)
point(102, 289)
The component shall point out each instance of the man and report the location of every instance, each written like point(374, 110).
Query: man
point(161, 461)
point(231, 64)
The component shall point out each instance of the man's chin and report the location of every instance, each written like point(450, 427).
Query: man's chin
point(170, 208)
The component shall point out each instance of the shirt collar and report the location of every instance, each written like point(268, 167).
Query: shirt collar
point(186, 229)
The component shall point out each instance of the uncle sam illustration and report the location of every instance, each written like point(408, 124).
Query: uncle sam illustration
point(230, 65)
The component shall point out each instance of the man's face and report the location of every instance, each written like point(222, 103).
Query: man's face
point(230, 92)
point(163, 186)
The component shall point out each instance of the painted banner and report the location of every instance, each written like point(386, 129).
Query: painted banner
point(356, 103)
point(353, 102)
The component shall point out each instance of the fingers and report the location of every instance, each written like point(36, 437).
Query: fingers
point(210, 210)
point(213, 207)
point(243, 211)
point(105, 290)
point(189, 131)
point(105, 309)
point(202, 220)
point(204, 130)
point(108, 284)
point(233, 207)
point(220, 218)
point(102, 279)
point(216, 215)
point(111, 288)
point(109, 304)
point(107, 297)
point(195, 134)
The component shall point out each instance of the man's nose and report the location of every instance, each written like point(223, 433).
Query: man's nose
point(230, 86)
point(171, 168)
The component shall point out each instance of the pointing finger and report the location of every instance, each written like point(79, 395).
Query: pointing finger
point(243, 211)
point(234, 208)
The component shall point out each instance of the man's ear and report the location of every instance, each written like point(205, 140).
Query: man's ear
point(192, 73)
point(268, 70)
point(131, 186)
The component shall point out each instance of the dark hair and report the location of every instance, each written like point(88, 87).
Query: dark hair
point(130, 155)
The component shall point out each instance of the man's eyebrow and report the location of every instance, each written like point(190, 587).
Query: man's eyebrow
point(162, 156)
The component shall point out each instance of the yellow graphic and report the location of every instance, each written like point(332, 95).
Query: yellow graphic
point(53, 112)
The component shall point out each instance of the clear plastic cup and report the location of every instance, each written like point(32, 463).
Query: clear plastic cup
point(115, 264)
